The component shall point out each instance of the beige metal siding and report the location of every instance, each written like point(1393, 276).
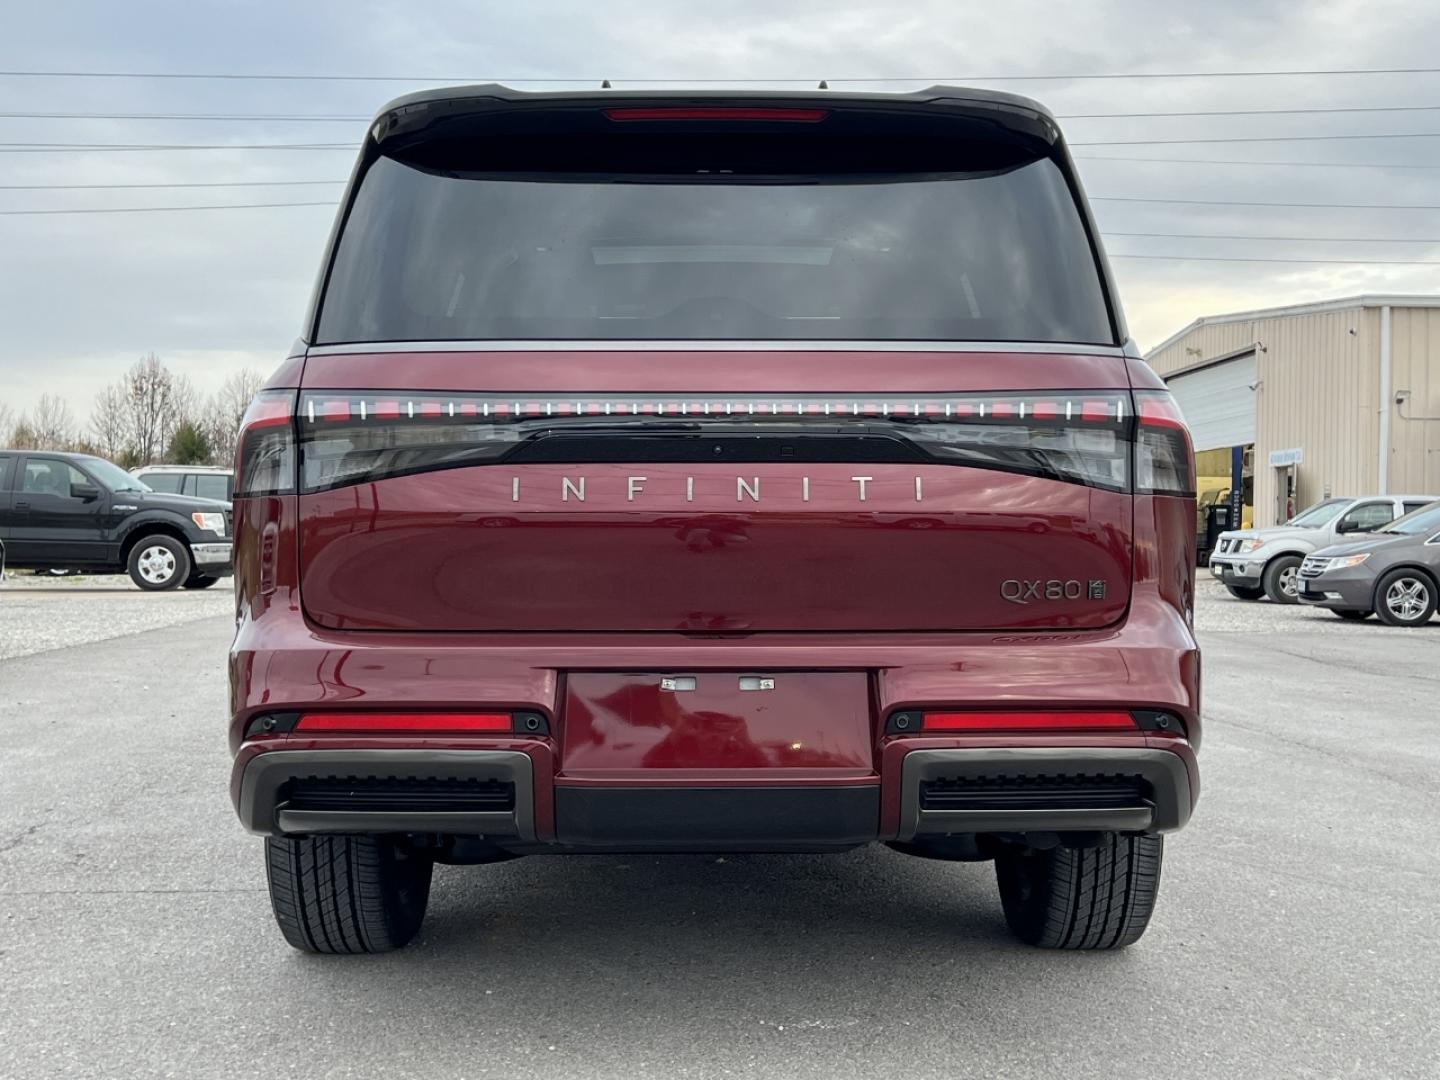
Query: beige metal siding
point(1415, 366)
point(1319, 390)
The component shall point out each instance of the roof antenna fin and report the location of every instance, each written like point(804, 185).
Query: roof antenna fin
point(823, 85)
point(604, 84)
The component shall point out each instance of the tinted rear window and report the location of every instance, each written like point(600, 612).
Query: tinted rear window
point(212, 486)
point(167, 482)
point(999, 255)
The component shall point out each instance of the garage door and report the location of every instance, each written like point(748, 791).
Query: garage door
point(1218, 403)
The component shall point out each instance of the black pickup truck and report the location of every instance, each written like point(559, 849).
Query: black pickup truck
point(78, 512)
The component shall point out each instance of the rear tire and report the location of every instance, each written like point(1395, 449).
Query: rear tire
point(1245, 592)
point(1352, 615)
point(346, 894)
point(1405, 598)
point(1282, 579)
point(1082, 898)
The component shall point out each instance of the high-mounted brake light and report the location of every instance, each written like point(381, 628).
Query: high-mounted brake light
point(1026, 721)
point(720, 112)
point(1164, 458)
point(407, 723)
point(265, 454)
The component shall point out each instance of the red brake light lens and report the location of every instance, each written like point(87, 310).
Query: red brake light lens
point(1026, 721)
point(724, 112)
point(1164, 459)
point(407, 723)
point(265, 460)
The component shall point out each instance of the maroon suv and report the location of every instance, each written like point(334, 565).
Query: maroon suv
point(682, 472)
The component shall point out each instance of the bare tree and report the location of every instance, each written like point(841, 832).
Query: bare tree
point(7, 423)
point(110, 422)
point(155, 401)
point(226, 409)
point(52, 423)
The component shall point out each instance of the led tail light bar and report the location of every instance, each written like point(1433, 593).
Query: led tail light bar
point(265, 454)
point(360, 436)
point(1164, 457)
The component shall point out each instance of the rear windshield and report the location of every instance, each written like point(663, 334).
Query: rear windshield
point(995, 256)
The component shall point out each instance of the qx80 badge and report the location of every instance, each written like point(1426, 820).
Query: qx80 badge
point(1026, 591)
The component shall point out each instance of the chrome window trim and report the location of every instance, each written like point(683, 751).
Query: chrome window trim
point(716, 345)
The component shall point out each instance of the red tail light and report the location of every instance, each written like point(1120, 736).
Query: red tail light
point(1026, 721)
point(787, 116)
point(408, 723)
point(1164, 459)
point(352, 437)
point(265, 458)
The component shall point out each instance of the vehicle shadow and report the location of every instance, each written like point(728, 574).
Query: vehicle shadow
point(783, 940)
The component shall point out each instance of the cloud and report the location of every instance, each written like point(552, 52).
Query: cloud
point(82, 296)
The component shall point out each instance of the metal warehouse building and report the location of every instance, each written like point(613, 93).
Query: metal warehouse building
point(1291, 405)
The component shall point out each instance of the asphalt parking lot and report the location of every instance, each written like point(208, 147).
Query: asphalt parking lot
point(1296, 934)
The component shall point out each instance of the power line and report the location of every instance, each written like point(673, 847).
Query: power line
point(1080, 157)
point(1295, 164)
point(43, 148)
point(361, 119)
point(812, 80)
point(1251, 202)
point(1146, 235)
point(1317, 262)
point(1266, 139)
point(128, 187)
point(64, 148)
point(159, 209)
point(1287, 239)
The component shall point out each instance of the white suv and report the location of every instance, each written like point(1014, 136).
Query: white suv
point(201, 481)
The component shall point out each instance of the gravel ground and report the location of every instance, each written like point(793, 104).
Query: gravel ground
point(1295, 936)
point(40, 613)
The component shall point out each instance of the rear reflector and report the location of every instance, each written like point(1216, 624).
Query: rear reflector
point(1027, 721)
point(379, 723)
point(787, 116)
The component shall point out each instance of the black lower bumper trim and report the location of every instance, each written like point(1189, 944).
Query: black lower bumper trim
point(1042, 789)
point(709, 819)
point(465, 792)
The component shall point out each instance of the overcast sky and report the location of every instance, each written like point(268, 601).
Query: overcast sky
point(82, 296)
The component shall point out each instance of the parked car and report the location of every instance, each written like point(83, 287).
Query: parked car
point(78, 512)
point(201, 481)
point(710, 359)
point(1394, 572)
point(1266, 562)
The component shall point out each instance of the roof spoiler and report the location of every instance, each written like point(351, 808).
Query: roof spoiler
point(496, 108)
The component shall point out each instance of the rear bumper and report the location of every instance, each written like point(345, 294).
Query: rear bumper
point(1012, 785)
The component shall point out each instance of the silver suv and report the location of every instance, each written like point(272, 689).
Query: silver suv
point(1266, 562)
